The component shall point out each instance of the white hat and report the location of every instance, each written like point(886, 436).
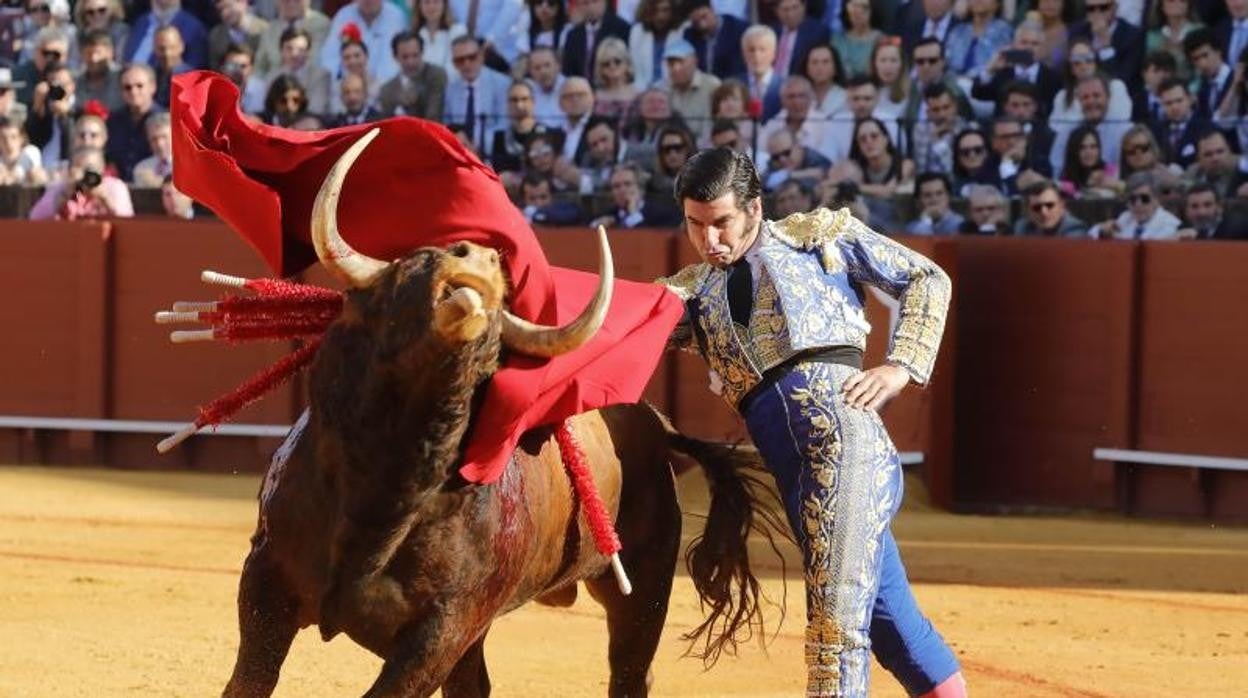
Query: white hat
point(6, 79)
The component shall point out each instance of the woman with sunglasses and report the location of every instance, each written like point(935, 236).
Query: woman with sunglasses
point(102, 15)
point(1085, 174)
point(614, 89)
point(1081, 63)
point(855, 45)
point(547, 26)
point(973, 163)
point(674, 146)
point(437, 29)
point(1140, 153)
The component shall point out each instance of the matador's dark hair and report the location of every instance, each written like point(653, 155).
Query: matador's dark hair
point(712, 173)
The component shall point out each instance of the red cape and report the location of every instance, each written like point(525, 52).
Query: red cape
point(417, 186)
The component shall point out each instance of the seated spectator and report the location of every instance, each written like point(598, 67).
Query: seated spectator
point(10, 108)
point(935, 216)
point(238, 67)
point(933, 19)
point(1046, 214)
point(1020, 61)
point(1214, 76)
point(175, 203)
point(51, 50)
point(1082, 64)
point(1110, 35)
point(353, 95)
point(377, 22)
point(50, 124)
point(788, 160)
point(890, 74)
point(291, 14)
point(716, 39)
point(152, 171)
point(652, 111)
point(1093, 95)
point(1159, 67)
point(353, 60)
point(285, 102)
point(239, 25)
point(971, 45)
point(761, 79)
point(730, 102)
point(794, 196)
point(297, 62)
point(614, 82)
point(1180, 125)
point(878, 170)
point(543, 159)
point(822, 67)
point(1085, 174)
point(1055, 16)
point(1218, 166)
point(1144, 218)
point(932, 141)
point(675, 146)
point(987, 212)
point(419, 88)
point(437, 29)
point(798, 116)
point(855, 44)
point(656, 30)
point(796, 34)
point(106, 16)
point(168, 59)
point(1205, 217)
point(863, 101)
point(1169, 23)
point(547, 28)
point(724, 134)
point(1010, 154)
point(100, 78)
point(495, 23)
point(597, 24)
point(476, 96)
point(1140, 153)
point(540, 206)
point(85, 193)
point(972, 162)
point(1020, 103)
point(20, 162)
point(140, 44)
point(631, 209)
point(576, 103)
point(547, 84)
point(91, 131)
point(510, 144)
point(689, 90)
point(930, 69)
point(603, 151)
point(41, 15)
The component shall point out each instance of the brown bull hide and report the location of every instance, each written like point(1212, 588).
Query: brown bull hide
point(366, 528)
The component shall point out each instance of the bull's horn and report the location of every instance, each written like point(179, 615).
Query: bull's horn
point(336, 255)
point(539, 340)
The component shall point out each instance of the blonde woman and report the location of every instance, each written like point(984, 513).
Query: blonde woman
point(102, 15)
point(614, 89)
point(888, 69)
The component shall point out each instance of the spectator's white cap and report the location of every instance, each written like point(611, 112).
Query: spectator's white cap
point(59, 8)
point(6, 80)
point(679, 48)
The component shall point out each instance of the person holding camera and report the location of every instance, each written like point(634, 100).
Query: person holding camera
point(85, 192)
point(1019, 61)
point(50, 124)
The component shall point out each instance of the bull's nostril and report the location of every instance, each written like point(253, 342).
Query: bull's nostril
point(460, 250)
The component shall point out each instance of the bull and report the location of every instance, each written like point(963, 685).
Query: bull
point(366, 528)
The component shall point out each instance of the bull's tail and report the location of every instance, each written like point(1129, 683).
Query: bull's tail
point(718, 559)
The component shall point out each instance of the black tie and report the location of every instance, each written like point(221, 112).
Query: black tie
point(740, 292)
point(470, 113)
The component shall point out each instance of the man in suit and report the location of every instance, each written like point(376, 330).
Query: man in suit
point(795, 35)
point(1119, 44)
point(1210, 66)
point(582, 42)
point(576, 103)
point(1205, 217)
point(930, 68)
point(1159, 66)
point(603, 151)
point(420, 88)
point(716, 40)
point(141, 41)
point(290, 14)
point(1046, 214)
point(936, 21)
point(1232, 31)
point(353, 93)
point(475, 96)
point(127, 128)
point(758, 44)
point(988, 85)
point(1217, 165)
point(239, 25)
point(170, 61)
point(1180, 128)
point(632, 210)
point(540, 206)
point(1021, 104)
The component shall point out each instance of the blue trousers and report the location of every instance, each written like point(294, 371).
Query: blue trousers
point(840, 479)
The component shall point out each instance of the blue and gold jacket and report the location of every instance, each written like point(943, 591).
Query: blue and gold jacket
point(811, 269)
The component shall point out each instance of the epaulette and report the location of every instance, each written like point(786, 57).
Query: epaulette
point(685, 282)
point(817, 229)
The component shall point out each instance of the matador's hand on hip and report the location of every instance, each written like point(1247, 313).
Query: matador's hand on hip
point(872, 388)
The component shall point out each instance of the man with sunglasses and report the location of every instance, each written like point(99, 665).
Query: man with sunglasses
point(476, 96)
point(1046, 214)
point(51, 49)
point(1119, 44)
point(50, 125)
point(930, 68)
point(1144, 219)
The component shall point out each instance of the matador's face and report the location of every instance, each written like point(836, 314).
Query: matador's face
point(720, 230)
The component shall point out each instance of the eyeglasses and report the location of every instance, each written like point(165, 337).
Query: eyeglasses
point(1039, 206)
point(51, 55)
point(1099, 8)
point(1139, 149)
point(972, 150)
point(466, 58)
point(672, 148)
point(927, 61)
point(1081, 58)
point(1140, 198)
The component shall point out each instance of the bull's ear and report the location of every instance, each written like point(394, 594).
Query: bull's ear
point(340, 259)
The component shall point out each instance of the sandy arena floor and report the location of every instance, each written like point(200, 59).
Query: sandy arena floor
point(121, 583)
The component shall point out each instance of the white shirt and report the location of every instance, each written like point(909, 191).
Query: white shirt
point(1162, 226)
point(939, 28)
point(572, 136)
point(376, 35)
point(813, 133)
point(438, 46)
point(546, 104)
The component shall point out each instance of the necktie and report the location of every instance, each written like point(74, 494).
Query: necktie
point(1139, 231)
point(473, 6)
point(785, 53)
point(589, 50)
point(470, 112)
point(1176, 133)
point(740, 292)
point(969, 61)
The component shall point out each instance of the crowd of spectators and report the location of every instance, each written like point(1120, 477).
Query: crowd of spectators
point(587, 108)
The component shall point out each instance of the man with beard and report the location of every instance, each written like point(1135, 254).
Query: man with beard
point(1206, 218)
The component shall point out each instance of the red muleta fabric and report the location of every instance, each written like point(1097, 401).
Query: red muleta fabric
point(416, 186)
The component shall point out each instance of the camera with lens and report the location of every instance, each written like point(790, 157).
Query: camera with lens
point(56, 93)
point(90, 180)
